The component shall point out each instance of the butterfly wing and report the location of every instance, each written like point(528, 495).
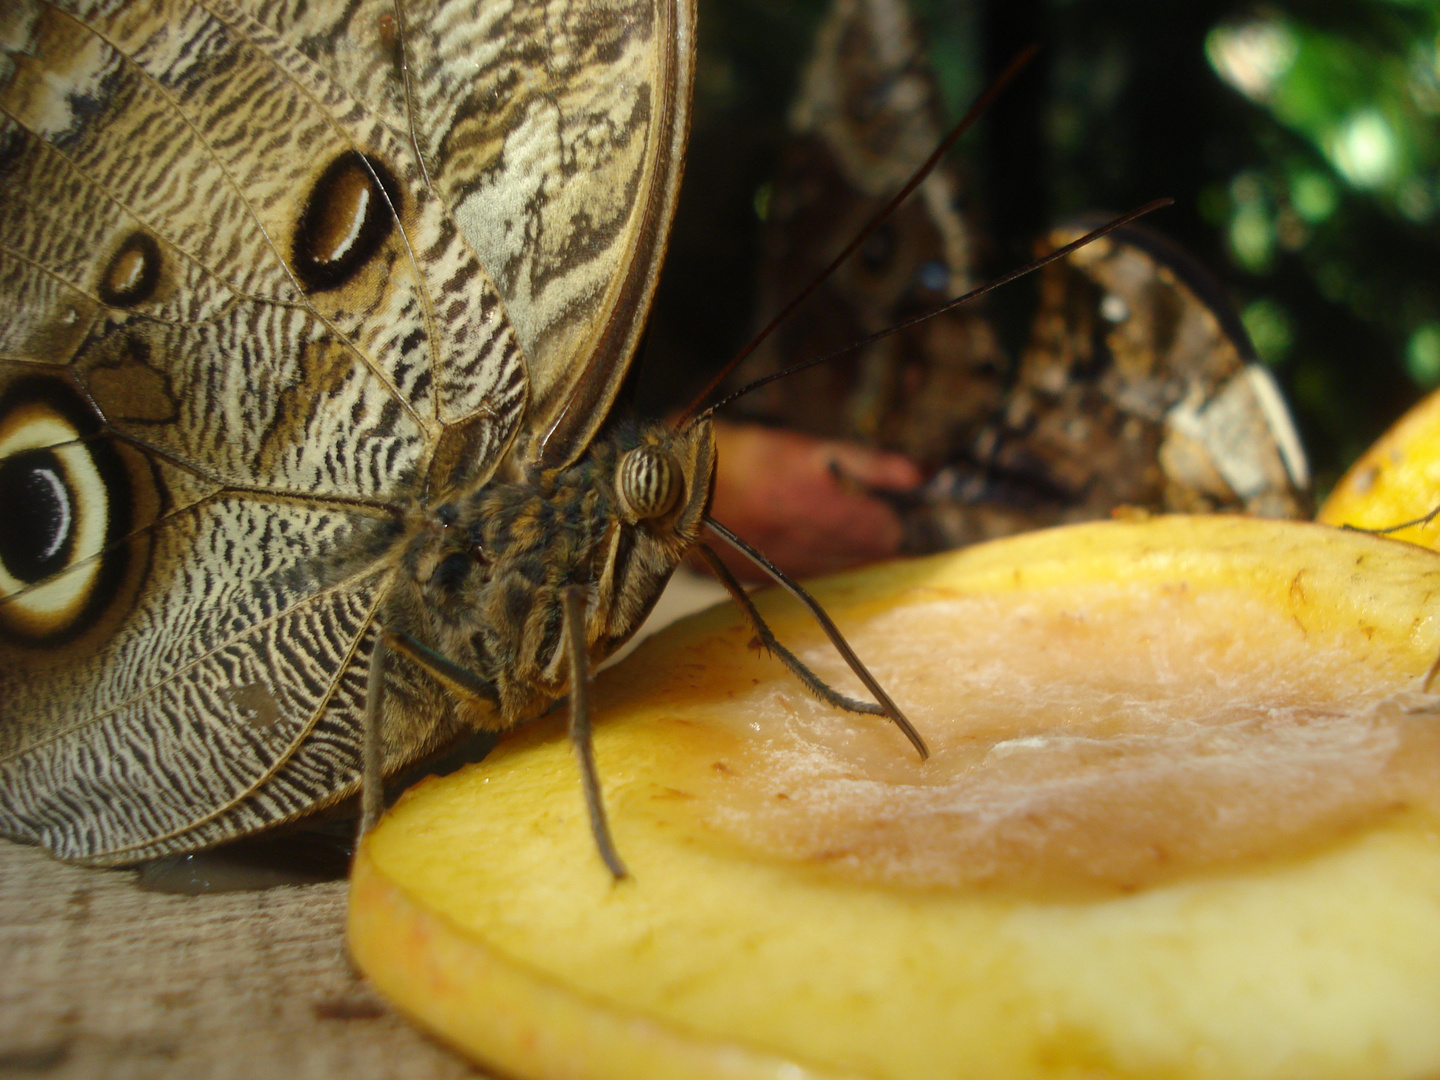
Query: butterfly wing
point(567, 189)
point(555, 133)
point(924, 391)
point(248, 334)
point(1138, 386)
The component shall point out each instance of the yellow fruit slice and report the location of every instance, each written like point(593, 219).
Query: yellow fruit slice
point(1180, 821)
point(1396, 480)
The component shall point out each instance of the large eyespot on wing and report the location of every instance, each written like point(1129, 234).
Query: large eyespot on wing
point(133, 272)
point(159, 162)
point(350, 211)
point(214, 193)
point(69, 497)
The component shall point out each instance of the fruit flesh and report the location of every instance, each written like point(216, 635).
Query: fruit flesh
point(1087, 879)
point(1104, 764)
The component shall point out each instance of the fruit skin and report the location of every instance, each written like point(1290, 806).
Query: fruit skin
point(1395, 481)
point(508, 939)
point(1144, 977)
point(510, 1015)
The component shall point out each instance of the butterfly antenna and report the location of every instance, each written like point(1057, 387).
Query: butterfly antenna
point(1028, 268)
point(978, 108)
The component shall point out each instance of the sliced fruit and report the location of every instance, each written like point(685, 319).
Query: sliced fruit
point(1180, 821)
point(1395, 481)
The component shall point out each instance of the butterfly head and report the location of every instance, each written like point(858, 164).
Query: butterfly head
point(664, 476)
point(662, 479)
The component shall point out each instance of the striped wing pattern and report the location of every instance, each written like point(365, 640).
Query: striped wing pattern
point(239, 415)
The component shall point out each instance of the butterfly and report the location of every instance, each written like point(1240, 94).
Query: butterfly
point(1138, 386)
point(315, 316)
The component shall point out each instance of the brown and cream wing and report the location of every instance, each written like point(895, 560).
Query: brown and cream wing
point(213, 694)
point(212, 194)
point(556, 132)
point(239, 327)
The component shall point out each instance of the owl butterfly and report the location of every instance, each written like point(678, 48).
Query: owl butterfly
point(1138, 386)
point(314, 316)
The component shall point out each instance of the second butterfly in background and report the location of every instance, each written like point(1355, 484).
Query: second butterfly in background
point(1137, 388)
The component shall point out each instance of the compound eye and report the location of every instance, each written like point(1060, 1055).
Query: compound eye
point(648, 482)
point(59, 491)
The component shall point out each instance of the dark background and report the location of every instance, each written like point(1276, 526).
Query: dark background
point(1315, 198)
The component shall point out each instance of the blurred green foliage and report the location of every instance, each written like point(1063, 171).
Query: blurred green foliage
point(1301, 141)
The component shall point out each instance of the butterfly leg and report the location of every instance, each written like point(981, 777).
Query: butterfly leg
point(812, 682)
point(1388, 529)
point(372, 782)
point(449, 674)
point(573, 597)
point(816, 685)
point(465, 683)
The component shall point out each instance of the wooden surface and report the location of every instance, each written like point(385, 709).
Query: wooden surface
point(99, 978)
point(102, 979)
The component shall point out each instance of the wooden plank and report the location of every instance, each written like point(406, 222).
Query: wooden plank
point(104, 979)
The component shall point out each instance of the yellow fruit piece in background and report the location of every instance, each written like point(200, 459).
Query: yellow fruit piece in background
point(1395, 481)
point(1182, 819)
